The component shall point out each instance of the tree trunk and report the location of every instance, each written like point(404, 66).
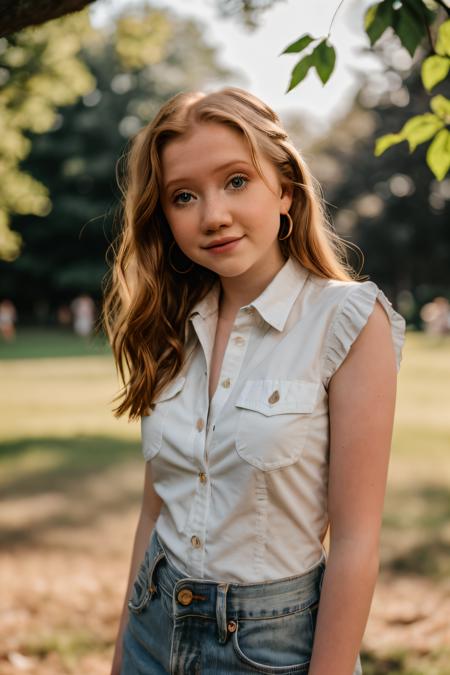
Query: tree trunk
point(18, 14)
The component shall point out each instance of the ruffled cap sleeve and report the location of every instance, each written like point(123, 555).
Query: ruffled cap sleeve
point(351, 317)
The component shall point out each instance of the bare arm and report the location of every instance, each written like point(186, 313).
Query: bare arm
point(151, 506)
point(361, 402)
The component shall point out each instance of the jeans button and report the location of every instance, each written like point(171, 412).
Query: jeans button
point(185, 596)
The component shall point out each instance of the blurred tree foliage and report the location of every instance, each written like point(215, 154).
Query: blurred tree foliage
point(138, 64)
point(391, 207)
point(39, 71)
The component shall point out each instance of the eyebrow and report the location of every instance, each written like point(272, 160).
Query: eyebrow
point(216, 170)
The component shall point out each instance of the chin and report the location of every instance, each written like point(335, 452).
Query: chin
point(233, 270)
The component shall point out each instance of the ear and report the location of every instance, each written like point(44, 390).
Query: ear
point(287, 193)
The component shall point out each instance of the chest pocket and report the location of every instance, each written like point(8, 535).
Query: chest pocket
point(152, 425)
point(273, 422)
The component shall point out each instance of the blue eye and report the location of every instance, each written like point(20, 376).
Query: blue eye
point(177, 199)
point(239, 178)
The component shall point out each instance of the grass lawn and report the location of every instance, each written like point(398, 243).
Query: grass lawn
point(51, 343)
point(71, 480)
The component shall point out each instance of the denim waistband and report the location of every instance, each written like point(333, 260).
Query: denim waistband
point(227, 601)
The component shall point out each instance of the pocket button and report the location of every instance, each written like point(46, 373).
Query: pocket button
point(231, 626)
point(274, 396)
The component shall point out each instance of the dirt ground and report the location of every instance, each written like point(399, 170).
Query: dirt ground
point(64, 572)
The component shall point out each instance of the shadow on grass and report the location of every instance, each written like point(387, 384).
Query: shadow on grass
point(425, 511)
point(74, 469)
point(393, 664)
point(404, 661)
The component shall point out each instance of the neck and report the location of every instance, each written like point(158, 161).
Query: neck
point(238, 291)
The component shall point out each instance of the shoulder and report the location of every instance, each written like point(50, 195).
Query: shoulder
point(348, 305)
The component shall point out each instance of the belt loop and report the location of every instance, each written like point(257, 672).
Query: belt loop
point(151, 585)
point(221, 611)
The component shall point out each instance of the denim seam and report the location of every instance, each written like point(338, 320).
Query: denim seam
point(260, 667)
point(279, 616)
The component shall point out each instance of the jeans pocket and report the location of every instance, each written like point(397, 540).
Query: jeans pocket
point(281, 644)
point(141, 593)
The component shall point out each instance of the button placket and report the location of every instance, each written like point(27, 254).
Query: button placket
point(205, 422)
point(232, 360)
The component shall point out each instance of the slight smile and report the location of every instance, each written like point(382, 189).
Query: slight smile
point(228, 245)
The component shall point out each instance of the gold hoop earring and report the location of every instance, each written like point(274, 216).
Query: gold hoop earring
point(173, 267)
point(291, 226)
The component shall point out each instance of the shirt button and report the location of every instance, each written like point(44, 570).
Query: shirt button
point(200, 423)
point(195, 541)
point(274, 396)
point(202, 477)
point(226, 383)
point(238, 340)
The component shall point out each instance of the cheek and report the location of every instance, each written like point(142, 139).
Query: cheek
point(265, 216)
point(181, 226)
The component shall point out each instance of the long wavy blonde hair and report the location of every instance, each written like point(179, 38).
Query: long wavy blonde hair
point(146, 302)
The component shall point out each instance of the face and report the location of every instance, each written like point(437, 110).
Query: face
point(211, 191)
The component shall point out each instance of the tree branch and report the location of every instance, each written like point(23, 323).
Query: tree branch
point(18, 14)
point(442, 4)
point(334, 16)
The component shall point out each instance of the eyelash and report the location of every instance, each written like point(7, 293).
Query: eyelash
point(238, 175)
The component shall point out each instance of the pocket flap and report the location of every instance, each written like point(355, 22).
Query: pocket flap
point(171, 389)
point(274, 397)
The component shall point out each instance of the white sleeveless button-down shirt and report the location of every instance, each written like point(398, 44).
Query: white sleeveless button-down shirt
point(244, 480)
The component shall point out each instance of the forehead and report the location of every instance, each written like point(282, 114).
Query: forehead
point(207, 145)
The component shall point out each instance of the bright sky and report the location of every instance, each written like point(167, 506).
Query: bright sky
point(255, 54)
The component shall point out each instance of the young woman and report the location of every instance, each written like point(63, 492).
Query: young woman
point(264, 375)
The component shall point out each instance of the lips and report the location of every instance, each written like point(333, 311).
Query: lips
point(221, 242)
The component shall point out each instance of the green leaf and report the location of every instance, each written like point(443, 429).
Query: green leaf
point(422, 12)
point(379, 19)
point(441, 107)
point(300, 71)
point(369, 16)
point(409, 28)
point(420, 129)
point(299, 45)
point(434, 70)
point(384, 142)
point(443, 39)
point(438, 154)
point(324, 57)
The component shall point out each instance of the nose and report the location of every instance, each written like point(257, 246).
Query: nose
point(215, 213)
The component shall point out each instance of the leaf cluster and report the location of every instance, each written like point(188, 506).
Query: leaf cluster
point(431, 125)
point(40, 71)
point(411, 22)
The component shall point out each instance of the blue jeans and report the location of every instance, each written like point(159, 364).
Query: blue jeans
point(178, 625)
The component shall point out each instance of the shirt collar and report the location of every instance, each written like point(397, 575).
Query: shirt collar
point(276, 301)
point(273, 304)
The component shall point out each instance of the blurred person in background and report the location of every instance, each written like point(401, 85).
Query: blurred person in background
point(64, 316)
point(83, 309)
point(436, 317)
point(8, 318)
